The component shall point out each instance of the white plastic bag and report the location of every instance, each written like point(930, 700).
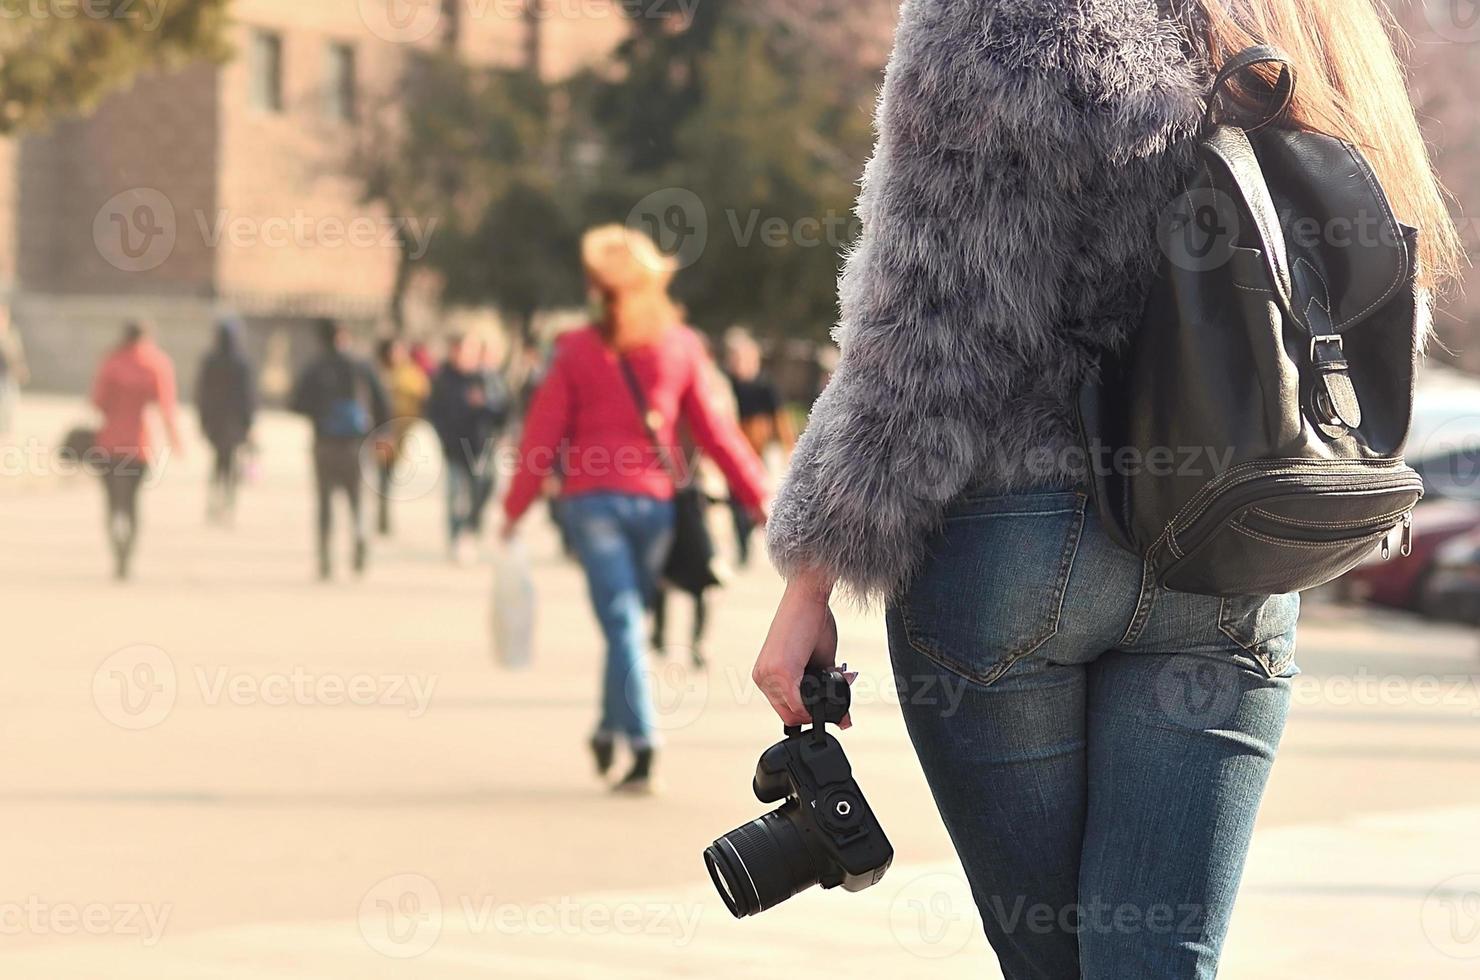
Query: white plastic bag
point(513, 607)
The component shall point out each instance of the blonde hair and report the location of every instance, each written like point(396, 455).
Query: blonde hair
point(633, 274)
point(1350, 86)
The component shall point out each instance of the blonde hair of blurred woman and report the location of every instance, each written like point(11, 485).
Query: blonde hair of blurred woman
point(631, 274)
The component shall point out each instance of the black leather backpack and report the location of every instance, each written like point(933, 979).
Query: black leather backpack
point(1248, 440)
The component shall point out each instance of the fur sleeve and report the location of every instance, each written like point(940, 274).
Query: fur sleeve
point(1022, 148)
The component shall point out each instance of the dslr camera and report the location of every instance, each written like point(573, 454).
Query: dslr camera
point(822, 833)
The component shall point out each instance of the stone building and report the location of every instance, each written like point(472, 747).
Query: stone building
point(223, 188)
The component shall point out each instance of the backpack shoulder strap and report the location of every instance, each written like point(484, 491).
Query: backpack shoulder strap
point(1232, 148)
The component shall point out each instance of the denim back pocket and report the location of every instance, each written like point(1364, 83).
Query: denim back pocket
point(1264, 626)
point(992, 586)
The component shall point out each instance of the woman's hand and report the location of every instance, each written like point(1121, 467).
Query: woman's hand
point(803, 633)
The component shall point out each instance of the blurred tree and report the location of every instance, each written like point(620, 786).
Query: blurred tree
point(54, 65)
point(740, 104)
point(469, 147)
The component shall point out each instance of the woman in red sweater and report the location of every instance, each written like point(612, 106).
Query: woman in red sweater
point(134, 376)
point(618, 481)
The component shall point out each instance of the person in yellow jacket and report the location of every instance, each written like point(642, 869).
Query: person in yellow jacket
point(408, 387)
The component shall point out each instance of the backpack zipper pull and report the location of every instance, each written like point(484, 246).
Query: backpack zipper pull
point(1406, 547)
point(1387, 545)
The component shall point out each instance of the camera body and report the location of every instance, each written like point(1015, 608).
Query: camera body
point(815, 779)
point(824, 831)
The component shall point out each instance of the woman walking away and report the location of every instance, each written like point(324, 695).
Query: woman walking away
point(226, 397)
point(468, 407)
point(407, 387)
point(607, 413)
point(13, 372)
point(1025, 154)
point(134, 376)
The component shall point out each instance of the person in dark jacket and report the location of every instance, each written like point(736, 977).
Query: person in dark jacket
point(468, 407)
point(343, 397)
point(226, 398)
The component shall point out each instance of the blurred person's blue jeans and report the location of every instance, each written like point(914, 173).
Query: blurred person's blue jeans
point(1097, 745)
point(622, 540)
point(470, 485)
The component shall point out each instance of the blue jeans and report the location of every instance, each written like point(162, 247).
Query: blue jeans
point(1097, 745)
point(469, 482)
point(622, 540)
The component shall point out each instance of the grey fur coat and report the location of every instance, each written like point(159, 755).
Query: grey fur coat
point(1025, 149)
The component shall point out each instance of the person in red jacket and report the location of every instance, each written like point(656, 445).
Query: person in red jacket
point(134, 376)
point(617, 461)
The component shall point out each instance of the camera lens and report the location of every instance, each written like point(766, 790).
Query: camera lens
point(761, 864)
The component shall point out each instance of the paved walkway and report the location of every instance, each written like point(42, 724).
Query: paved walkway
point(227, 770)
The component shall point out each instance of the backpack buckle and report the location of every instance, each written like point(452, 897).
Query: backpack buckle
point(1325, 338)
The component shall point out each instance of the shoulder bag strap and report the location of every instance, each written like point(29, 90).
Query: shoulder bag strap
point(640, 400)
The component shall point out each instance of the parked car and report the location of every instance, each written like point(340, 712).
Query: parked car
point(1450, 589)
point(1399, 580)
point(1444, 447)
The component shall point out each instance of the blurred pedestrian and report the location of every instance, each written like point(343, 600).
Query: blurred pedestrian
point(701, 568)
point(607, 412)
point(421, 356)
point(407, 387)
point(343, 397)
point(763, 417)
point(13, 371)
point(226, 398)
point(468, 407)
point(134, 376)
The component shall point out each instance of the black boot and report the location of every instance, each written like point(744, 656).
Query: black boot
point(639, 780)
point(603, 750)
